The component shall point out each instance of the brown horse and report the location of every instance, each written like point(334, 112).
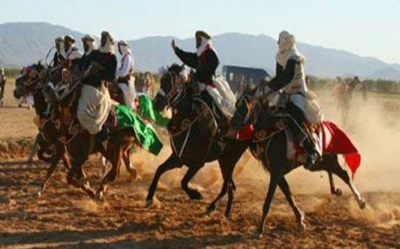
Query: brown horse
point(77, 142)
point(54, 133)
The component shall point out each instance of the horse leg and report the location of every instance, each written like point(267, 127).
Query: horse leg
point(270, 195)
point(193, 194)
point(115, 155)
point(332, 164)
point(227, 185)
point(33, 149)
point(129, 167)
point(54, 161)
point(334, 190)
point(77, 171)
point(65, 159)
point(284, 186)
point(221, 194)
point(171, 163)
point(227, 165)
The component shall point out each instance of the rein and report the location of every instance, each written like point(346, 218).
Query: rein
point(177, 92)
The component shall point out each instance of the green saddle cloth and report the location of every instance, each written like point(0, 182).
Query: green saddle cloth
point(145, 133)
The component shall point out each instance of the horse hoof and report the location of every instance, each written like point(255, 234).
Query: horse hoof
point(258, 235)
point(209, 211)
point(362, 204)
point(302, 226)
point(148, 204)
point(99, 195)
point(38, 193)
point(133, 174)
point(196, 196)
point(338, 192)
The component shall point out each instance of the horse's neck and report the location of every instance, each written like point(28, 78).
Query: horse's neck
point(264, 117)
point(39, 102)
point(183, 108)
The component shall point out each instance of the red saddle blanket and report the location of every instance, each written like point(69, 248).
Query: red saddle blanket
point(334, 141)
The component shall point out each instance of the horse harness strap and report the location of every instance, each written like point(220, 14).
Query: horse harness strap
point(265, 133)
point(185, 124)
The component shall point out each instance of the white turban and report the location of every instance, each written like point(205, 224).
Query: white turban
point(109, 46)
point(124, 47)
point(287, 49)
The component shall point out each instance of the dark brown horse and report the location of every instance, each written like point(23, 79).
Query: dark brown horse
point(192, 134)
point(272, 152)
point(54, 133)
point(77, 142)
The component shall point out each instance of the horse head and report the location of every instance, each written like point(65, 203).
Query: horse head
point(171, 88)
point(245, 108)
point(19, 84)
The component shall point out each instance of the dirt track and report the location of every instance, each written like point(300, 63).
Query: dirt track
point(64, 217)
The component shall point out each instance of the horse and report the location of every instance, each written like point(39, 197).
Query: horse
point(20, 92)
point(52, 132)
point(271, 150)
point(192, 132)
point(77, 142)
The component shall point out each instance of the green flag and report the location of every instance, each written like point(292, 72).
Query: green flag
point(145, 133)
point(147, 111)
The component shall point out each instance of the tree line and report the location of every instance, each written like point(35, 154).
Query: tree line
point(378, 85)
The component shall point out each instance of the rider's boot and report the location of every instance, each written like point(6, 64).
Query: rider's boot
point(102, 136)
point(311, 152)
point(302, 138)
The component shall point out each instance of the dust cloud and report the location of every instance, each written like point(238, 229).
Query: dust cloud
point(372, 127)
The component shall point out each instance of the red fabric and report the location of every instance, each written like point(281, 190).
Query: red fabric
point(337, 142)
point(246, 133)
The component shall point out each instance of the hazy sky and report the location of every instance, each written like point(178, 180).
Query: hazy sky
point(364, 27)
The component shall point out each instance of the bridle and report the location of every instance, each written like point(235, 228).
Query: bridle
point(251, 105)
point(176, 92)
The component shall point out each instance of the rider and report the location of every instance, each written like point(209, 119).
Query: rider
point(290, 79)
point(94, 103)
point(124, 73)
point(89, 48)
point(205, 61)
point(3, 80)
point(72, 54)
point(58, 55)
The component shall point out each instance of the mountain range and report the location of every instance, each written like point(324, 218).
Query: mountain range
point(23, 43)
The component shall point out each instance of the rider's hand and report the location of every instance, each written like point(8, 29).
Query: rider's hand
point(173, 44)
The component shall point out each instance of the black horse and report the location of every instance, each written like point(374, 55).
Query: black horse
point(192, 131)
point(272, 151)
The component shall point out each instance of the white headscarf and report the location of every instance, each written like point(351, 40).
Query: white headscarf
point(287, 49)
point(90, 42)
point(109, 46)
point(124, 47)
point(205, 45)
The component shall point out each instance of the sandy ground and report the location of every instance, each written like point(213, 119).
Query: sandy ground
point(64, 217)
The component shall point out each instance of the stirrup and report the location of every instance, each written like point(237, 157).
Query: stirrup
point(311, 160)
